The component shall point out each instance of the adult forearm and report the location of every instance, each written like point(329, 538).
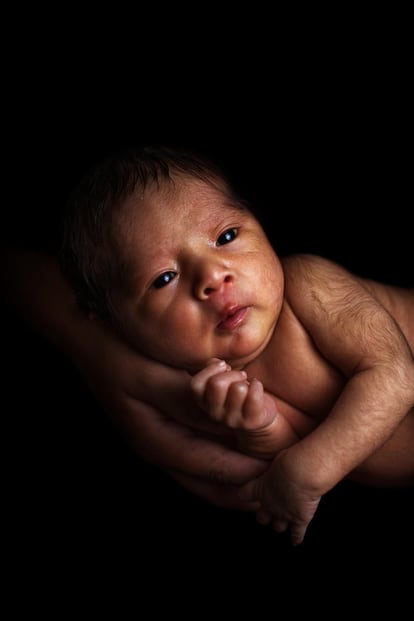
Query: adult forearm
point(142, 397)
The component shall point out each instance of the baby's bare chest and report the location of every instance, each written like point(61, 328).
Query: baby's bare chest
point(294, 371)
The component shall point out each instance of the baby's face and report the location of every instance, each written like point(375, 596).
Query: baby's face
point(206, 281)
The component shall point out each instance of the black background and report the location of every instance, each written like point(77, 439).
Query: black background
point(327, 157)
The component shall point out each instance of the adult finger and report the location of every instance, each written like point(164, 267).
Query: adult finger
point(170, 445)
point(221, 495)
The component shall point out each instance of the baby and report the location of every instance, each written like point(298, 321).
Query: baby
point(309, 365)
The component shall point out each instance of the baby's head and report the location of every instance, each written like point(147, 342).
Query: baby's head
point(92, 256)
point(157, 242)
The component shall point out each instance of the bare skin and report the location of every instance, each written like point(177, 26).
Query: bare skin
point(317, 339)
point(149, 402)
point(292, 412)
point(266, 423)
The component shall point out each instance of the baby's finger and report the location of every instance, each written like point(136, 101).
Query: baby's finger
point(218, 389)
point(253, 406)
point(297, 533)
point(214, 366)
point(200, 380)
point(210, 387)
point(234, 404)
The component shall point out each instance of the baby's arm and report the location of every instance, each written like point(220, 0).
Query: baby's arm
point(356, 335)
point(359, 337)
point(229, 398)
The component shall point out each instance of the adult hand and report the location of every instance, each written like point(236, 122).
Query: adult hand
point(154, 408)
point(151, 404)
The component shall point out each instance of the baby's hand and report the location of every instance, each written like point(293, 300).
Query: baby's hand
point(227, 396)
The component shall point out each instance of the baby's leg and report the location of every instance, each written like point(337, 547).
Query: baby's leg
point(393, 464)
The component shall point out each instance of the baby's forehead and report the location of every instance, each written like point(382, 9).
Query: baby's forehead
point(183, 194)
point(165, 214)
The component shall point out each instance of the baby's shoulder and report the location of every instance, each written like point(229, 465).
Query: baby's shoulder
point(307, 265)
point(308, 271)
point(313, 282)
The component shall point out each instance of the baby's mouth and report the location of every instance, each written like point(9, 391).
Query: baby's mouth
point(233, 318)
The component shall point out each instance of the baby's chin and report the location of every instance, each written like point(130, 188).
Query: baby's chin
point(238, 356)
point(236, 364)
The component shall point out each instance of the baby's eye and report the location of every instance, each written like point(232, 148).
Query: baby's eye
point(226, 237)
point(163, 280)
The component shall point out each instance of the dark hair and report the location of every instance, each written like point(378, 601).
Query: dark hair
point(90, 257)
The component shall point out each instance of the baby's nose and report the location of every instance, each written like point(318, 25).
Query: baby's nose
point(212, 282)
